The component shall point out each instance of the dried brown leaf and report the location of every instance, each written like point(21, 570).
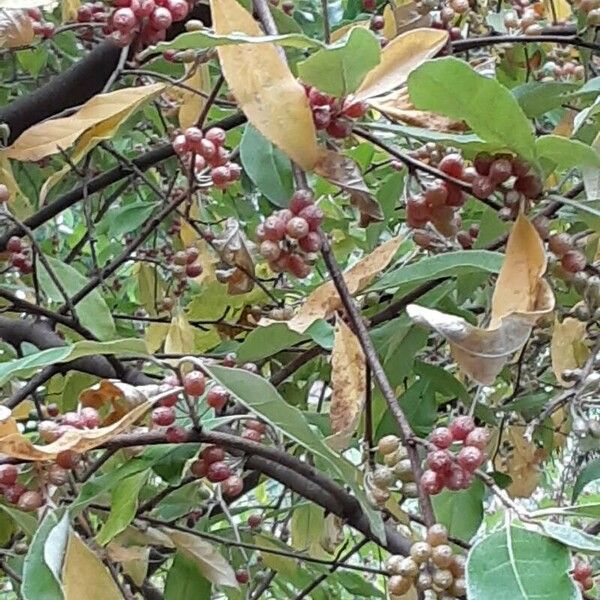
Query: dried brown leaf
point(324, 301)
point(16, 29)
point(568, 349)
point(407, 18)
point(234, 251)
point(348, 382)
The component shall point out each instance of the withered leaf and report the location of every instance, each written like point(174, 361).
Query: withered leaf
point(16, 29)
point(233, 250)
point(567, 348)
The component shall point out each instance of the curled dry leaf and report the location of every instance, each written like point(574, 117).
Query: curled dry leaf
point(407, 18)
point(568, 349)
point(234, 252)
point(344, 172)
point(333, 533)
point(133, 559)
point(192, 103)
point(348, 382)
point(324, 301)
point(520, 461)
point(97, 118)
point(204, 555)
point(77, 440)
point(83, 570)
point(16, 29)
point(180, 337)
point(521, 297)
point(389, 23)
point(399, 58)
point(264, 87)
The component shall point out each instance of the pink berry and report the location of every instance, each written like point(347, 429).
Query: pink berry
point(193, 270)
point(30, 501)
point(73, 419)
point(313, 215)
point(339, 128)
point(216, 135)
point(432, 482)
point(439, 461)
point(207, 149)
point(321, 117)
point(500, 170)
point(193, 137)
point(479, 438)
point(14, 244)
point(179, 9)
point(482, 163)
point(161, 18)
point(176, 435)
point(163, 416)
point(461, 427)
point(220, 176)
point(457, 479)
point(170, 400)
point(470, 458)
point(218, 471)
point(482, 187)
point(91, 418)
point(297, 266)
point(181, 144)
point(84, 14)
point(242, 576)
point(274, 228)
point(14, 492)
point(573, 261)
point(8, 474)
point(123, 19)
point(212, 454)
point(194, 383)
point(145, 8)
point(300, 200)
point(235, 172)
point(441, 437)
point(582, 570)
point(355, 110)
point(311, 242)
point(318, 98)
point(256, 425)
point(453, 165)
point(254, 521)
point(297, 228)
point(252, 435)
point(217, 397)
point(233, 486)
point(198, 468)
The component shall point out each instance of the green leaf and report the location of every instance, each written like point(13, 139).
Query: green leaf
point(449, 264)
point(39, 583)
point(259, 396)
point(306, 527)
point(267, 167)
point(22, 367)
point(179, 502)
point(441, 380)
point(517, 564)
point(572, 537)
point(124, 503)
point(56, 545)
point(589, 473)
point(126, 219)
point(266, 341)
point(92, 311)
point(25, 521)
point(565, 153)
point(185, 582)
point(585, 114)
point(340, 69)
point(461, 512)
point(537, 98)
point(33, 60)
point(170, 465)
point(451, 87)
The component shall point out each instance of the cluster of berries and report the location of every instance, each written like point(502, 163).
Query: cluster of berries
point(334, 115)
point(15, 492)
point(19, 255)
point(290, 236)
point(572, 260)
point(582, 574)
point(395, 473)
point(431, 566)
point(207, 151)
point(40, 27)
point(454, 472)
point(211, 464)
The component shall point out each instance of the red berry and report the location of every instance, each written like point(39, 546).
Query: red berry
point(458, 479)
point(176, 435)
point(573, 261)
point(436, 194)
point(194, 383)
point(144, 9)
point(582, 570)
point(461, 427)
point(254, 521)
point(233, 486)
point(274, 228)
point(161, 18)
point(441, 437)
point(339, 128)
point(84, 14)
point(500, 171)
point(313, 215)
point(67, 459)
point(8, 474)
point(474, 230)
point(355, 110)
point(456, 196)
point(417, 209)
point(321, 117)
point(30, 500)
point(193, 270)
point(170, 400)
point(297, 266)
point(560, 243)
point(318, 98)
point(482, 187)
point(193, 136)
point(91, 417)
point(470, 458)
point(217, 397)
point(178, 9)
point(520, 167)
point(123, 19)
point(311, 242)
point(212, 454)
point(453, 165)
point(479, 438)
point(218, 471)
point(377, 23)
point(14, 244)
point(464, 239)
point(14, 492)
point(230, 360)
point(216, 135)
point(220, 176)
point(242, 576)
point(163, 416)
point(18, 260)
point(432, 483)
point(300, 200)
point(369, 5)
point(198, 468)
point(482, 163)
point(530, 186)
point(199, 163)
point(439, 461)
point(297, 228)
point(252, 435)
point(191, 254)
point(169, 56)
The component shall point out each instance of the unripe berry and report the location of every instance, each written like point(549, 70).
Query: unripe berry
point(163, 416)
point(461, 427)
point(297, 228)
point(218, 471)
point(442, 556)
point(123, 19)
point(217, 397)
point(573, 261)
point(274, 228)
point(161, 18)
point(399, 585)
point(233, 486)
point(30, 501)
point(176, 435)
point(194, 383)
point(420, 552)
point(453, 165)
point(441, 437)
point(437, 534)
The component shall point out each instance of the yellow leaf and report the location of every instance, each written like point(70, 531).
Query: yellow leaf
point(324, 301)
point(192, 104)
point(338, 34)
point(69, 10)
point(134, 559)
point(566, 125)
point(77, 440)
point(155, 335)
point(407, 17)
point(150, 287)
point(16, 29)
point(265, 89)
point(401, 56)
point(568, 349)
point(180, 337)
point(389, 23)
point(348, 382)
point(19, 203)
point(22, 410)
point(97, 119)
point(83, 571)
point(558, 9)
point(521, 297)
